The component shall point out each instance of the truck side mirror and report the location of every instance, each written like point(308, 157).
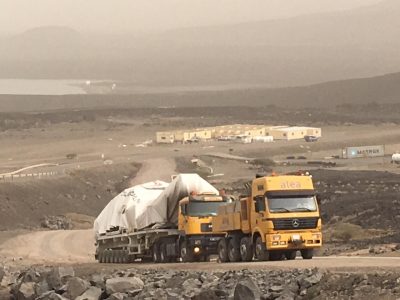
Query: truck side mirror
point(259, 203)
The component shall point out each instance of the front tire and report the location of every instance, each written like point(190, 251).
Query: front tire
point(261, 252)
point(186, 254)
point(291, 255)
point(307, 253)
point(276, 255)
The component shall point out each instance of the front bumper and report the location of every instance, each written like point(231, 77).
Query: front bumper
point(205, 244)
point(293, 240)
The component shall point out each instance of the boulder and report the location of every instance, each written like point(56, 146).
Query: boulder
point(118, 296)
point(51, 295)
point(59, 276)
point(209, 295)
point(92, 293)
point(247, 290)
point(123, 284)
point(26, 291)
point(41, 287)
point(76, 287)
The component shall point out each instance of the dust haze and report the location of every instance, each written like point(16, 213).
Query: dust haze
point(99, 97)
point(141, 16)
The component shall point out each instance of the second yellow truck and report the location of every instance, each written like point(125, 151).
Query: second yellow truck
point(278, 218)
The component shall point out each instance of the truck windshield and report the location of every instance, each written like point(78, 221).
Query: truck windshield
point(292, 204)
point(205, 208)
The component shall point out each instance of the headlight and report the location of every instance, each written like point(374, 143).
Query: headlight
point(276, 237)
point(196, 249)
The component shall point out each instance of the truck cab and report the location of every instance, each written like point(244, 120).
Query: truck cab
point(285, 216)
point(279, 217)
point(197, 239)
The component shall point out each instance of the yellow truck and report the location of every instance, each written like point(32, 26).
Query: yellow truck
point(191, 239)
point(279, 217)
point(197, 239)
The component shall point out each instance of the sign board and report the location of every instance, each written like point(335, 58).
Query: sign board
point(363, 151)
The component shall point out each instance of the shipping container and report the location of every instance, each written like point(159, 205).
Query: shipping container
point(363, 151)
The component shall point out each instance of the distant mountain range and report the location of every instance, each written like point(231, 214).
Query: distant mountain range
point(286, 52)
point(382, 89)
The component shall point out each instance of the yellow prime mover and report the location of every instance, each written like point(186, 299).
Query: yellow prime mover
point(278, 218)
point(197, 240)
point(191, 239)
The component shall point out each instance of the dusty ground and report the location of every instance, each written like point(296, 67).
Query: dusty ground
point(84, 184)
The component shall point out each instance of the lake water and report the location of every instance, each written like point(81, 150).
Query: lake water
point(41, 87)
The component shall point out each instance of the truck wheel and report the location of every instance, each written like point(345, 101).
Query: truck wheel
point(101, 257)
point(276, 255)
point(246, 249)
point(163, 253)
point(186, 254)
point(120, 256)
point(261, 252)
point(124, 256)
point(155, 253)
point(233, 251)
point(290, 255)
point(307, 253)
point(222, 250)
point(112, 256)
point(107, 256)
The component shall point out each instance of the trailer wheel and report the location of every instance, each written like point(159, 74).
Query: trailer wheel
point(120, 256)
point(163, 253)
point(107, 256)
point(307, 253)
point(186, 254)
point(246, 249)
point(155, 253)
point(101, 257)
point(222, 251)
point(112, 256)
point(290, 255)
point(233, 250)
point(261, 252)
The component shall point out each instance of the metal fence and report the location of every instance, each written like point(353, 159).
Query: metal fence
point(17, 177)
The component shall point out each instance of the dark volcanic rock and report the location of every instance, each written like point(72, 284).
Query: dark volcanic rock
point(247, 290)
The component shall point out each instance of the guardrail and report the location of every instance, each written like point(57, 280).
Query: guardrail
point(15, 177)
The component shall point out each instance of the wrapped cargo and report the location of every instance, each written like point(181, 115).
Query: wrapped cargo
point(151, 204)
point(121, 211)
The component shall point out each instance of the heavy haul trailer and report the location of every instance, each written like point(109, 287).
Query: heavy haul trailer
point(191, 240)
point(279, 217)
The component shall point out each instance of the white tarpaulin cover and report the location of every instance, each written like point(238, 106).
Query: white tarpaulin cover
point(134, 200)
point(151, 203)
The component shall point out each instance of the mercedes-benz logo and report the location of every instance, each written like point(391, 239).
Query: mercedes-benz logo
point(295, 223)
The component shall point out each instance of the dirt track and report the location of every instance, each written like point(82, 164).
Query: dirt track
point(76, 247)
point(73, 246)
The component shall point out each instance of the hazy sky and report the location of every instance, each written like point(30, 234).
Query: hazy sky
point(153, 15)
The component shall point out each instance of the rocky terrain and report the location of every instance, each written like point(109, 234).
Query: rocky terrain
point(45, 202)
point(65, 283)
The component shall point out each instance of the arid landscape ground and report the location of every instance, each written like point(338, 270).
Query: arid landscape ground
point(84, 89)
point(95, 154)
